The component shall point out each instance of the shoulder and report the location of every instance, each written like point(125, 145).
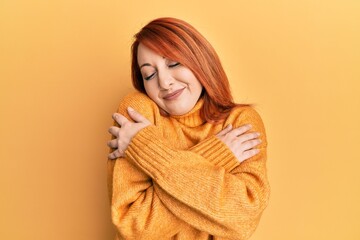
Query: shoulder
point(243, 114)
point(247, 115)
point(141, 103)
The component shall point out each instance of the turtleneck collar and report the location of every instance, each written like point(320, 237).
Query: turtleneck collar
point(192, 118)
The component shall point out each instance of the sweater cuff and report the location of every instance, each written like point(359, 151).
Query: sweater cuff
point(147, 150)
point(217, 153)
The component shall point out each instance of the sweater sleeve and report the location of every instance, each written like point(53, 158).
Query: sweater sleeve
point(136, 210)
point(213, 149)
point(214, 194)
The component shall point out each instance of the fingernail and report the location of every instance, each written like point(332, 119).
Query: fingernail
point(258, 134)
point(249, 125)
point(131, 109)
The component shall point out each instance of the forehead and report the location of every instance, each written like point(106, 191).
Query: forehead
point(146, 55)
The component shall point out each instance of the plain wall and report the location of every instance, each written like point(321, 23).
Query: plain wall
point(65, 65)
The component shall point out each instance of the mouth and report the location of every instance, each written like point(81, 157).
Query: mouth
point(173, 95)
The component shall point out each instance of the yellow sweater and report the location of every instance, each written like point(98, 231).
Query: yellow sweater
point(179, 181)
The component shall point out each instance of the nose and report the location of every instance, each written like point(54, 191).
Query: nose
point(165, 79)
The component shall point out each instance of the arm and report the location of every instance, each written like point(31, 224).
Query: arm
point(137, 211)
point(147, 211)
point(134, 190)
point(202, 192)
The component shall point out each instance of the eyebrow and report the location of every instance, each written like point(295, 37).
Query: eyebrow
point(145, 64)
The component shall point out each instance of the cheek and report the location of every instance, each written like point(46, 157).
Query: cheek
point(187, 75)
point(189, 78)
point(193, 82)
point(151, 88)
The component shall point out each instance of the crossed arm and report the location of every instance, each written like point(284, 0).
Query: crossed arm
point(240, 142)
point(151, 193)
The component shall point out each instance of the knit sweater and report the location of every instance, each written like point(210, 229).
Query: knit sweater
point(179, 181)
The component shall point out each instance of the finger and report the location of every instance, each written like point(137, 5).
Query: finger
point(240, 130)
point(114, 131)
point(115, 154)
point(250, 144)
point(225, 130)
point(112, 155)
point(113, 143)
point(248, 136)
point(250, 153)
point(120, 119)
point(137, 117)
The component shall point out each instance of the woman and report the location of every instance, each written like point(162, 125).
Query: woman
point(187, 162)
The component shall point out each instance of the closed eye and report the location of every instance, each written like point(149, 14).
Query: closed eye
point(174, 65)
point(149, 77)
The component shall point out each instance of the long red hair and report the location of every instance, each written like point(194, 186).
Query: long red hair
point(179, 41)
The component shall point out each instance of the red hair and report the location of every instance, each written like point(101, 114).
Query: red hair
point(179, 41)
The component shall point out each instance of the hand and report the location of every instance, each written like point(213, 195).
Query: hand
point(240, 142)
point(126, 132)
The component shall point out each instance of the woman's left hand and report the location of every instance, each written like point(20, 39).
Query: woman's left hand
point(125, 132)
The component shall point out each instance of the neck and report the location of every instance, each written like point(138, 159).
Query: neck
point(192, 118)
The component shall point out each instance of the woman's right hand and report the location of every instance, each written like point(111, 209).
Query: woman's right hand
point(241, 142)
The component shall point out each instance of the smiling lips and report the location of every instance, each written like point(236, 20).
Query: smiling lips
point(173, 95)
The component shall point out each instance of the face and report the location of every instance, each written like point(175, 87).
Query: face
point(172, 86)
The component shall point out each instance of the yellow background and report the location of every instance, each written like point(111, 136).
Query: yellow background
point(64, 66)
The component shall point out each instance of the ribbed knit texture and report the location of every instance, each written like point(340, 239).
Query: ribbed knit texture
point(179, 181)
